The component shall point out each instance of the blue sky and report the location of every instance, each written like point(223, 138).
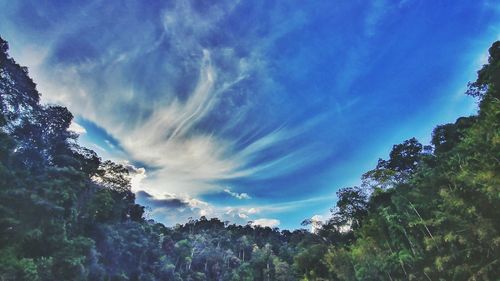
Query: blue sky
point(251, 110)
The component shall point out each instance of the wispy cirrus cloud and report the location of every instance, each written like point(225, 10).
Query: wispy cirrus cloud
point(200, 78)
point(186, 84)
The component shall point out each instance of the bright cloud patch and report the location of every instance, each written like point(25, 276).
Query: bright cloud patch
point(237, 195)
point(316, 222)
point(266, 222)
point(77, 128)
point(137, 175)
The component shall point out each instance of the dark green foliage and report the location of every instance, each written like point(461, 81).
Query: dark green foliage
point(55, 196)
point(426, 213)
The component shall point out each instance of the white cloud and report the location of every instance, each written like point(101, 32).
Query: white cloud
point(171, 209)
point(239, 212)
point(316, 223)
point(137, 175)
point(317, 218)
point(237, 195)
point(77, 128)
point(253, 211)
point(264, 222)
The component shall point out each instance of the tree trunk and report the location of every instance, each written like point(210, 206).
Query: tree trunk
point(421, 219)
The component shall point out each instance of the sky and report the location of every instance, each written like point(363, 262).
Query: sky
point(251, 110)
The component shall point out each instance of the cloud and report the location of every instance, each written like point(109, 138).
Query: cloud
point(188, 87)
point(237, 195)
point(171, 209)
point(264, 222)
point(316, 223)
point(137, 175)
point(168, 202)
point(253, 210)
point(317, 218)
point(77, 128)
point(241, 212)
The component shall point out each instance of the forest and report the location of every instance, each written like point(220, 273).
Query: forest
point(427, 212)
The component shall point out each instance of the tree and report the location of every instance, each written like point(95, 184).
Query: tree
point(402, 163)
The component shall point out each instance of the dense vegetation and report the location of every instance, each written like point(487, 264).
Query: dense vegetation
point(426, 213)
